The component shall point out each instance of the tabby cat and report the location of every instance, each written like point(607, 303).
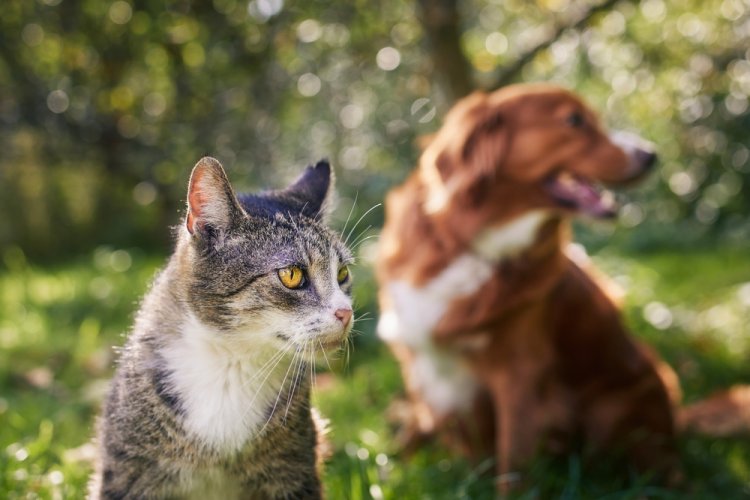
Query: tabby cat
point(211, 398)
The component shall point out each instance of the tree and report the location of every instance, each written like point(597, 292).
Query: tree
point(105, 106)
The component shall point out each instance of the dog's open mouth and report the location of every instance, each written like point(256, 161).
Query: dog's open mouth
point(577, 193)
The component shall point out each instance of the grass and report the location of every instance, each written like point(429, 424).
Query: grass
point(58, 325)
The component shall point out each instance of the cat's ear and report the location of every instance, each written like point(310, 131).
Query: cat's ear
point(212, 204)
point(312, 192)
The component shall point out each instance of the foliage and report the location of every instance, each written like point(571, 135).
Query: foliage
point(105, 106)
point(57, 326)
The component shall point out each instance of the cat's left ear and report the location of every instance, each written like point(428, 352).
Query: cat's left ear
point(212, 204)
point(312, 192)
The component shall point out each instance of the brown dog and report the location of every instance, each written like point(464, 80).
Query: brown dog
point(506, 344)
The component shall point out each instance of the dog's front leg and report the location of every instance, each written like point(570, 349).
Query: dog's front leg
point(519, 427)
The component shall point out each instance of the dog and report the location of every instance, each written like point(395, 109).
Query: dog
point(508, 344)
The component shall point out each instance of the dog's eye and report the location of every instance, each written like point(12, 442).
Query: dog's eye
point(575, 119)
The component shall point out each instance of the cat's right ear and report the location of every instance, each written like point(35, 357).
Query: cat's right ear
point(312, 192)
point(212, 204)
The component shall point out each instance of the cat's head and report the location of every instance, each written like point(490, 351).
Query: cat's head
point(263, 269)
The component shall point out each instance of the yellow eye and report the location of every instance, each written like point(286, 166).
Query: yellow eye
point(291, 277)
point(343, 274)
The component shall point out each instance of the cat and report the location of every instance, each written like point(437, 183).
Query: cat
point(211, 396)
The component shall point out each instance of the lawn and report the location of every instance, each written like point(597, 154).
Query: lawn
point(58, 326)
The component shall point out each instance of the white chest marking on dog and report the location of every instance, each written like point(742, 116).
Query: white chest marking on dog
point(497, 243)
point(417, 310)
point(440, 375)
point(225, 391)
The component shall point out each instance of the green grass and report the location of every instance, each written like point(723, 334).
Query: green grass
point(58, 326)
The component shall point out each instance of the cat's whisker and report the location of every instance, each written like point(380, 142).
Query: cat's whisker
point(312, 369)
point(268, 367)
point(299, 374)
point(348, 217)
point(268, 372)
point(349, 234)
point(296, 379)
point(272, 360)
point(367, 234)
point(357, 332)
point(324, 355)
point(359, 236)
point(356, 245)
point(348, 345)
point(314, 365)
point(276, 402)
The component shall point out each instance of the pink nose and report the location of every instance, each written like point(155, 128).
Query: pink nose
point(344, 315)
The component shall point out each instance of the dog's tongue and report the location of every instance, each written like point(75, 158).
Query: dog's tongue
point(581, 194)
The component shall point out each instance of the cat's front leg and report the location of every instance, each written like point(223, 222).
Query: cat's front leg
point(308, 488)
point(131, 480)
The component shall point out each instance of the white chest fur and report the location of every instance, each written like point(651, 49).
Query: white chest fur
point(438, 374)
point(498, 243)
point(225, 391)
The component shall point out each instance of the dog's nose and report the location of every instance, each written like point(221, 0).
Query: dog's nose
point(646, 159)
point(343, 315)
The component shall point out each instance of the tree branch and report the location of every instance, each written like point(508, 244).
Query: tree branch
point(440, 20)
point(509, 73)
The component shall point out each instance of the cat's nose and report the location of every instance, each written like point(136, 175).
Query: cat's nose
point(344, 315)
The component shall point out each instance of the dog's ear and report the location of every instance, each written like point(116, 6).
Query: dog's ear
point(463, 158)
point(485, 146)
point(423, 141)
point(479, 158)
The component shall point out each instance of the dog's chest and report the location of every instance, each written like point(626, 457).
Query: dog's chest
point(441, 374)
point(418, 309)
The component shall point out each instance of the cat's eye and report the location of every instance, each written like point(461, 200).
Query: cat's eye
point(292, 277)
point(343, 274)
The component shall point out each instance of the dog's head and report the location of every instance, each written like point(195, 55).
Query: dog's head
point(537, 145)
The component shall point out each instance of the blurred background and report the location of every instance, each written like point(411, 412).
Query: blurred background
point(106, 105)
